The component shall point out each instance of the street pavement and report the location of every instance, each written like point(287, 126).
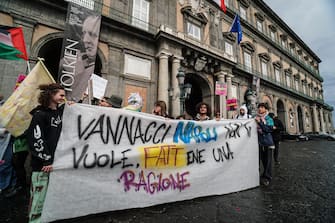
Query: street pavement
point(302, 190)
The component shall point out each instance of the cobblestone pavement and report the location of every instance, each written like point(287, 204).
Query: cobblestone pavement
point(303, 190)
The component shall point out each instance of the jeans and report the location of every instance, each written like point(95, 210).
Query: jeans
point(266, 158)
point(7, 172)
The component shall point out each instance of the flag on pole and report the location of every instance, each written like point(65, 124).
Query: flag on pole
point(12, 45)
point(14, 113)
point(221, 4)
point(236, 28)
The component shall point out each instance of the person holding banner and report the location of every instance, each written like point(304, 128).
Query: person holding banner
point(42, 136)
point(265, 141)
point(160, 109)
point(243, 113)
point(203, 112)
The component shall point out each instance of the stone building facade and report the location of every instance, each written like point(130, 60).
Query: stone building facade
point(143, 43)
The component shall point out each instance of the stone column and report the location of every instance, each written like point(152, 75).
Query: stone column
point(296, 115)
point(229, 92)
point(175, 100)
point(163, 77)
point(315, 119)
point(331, 122)
point(223, 108)
point(274, 105)
point(327, 124)
point(323, 129)
point(304, 119)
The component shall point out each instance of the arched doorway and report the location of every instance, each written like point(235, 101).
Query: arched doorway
point(51, 52)
point(300, 120)
point(200, 92)
point(281, 112)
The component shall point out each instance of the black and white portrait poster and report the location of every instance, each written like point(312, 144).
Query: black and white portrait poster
point(79, 50)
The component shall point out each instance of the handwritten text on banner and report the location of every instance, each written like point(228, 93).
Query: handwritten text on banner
point(112, 159)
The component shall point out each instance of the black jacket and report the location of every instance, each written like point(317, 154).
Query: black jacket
point(43, 134)
point(276, 134)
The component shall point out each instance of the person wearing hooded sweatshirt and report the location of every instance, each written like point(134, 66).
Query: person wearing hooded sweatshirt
point(42, 136)
point(243, 114)
point(265, 141)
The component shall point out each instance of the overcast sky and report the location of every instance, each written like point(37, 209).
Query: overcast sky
point(314, 23)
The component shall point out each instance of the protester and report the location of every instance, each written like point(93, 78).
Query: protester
point(185, 116)
point(20, 151)
point(114, 102)
point(203, 112)
point(20, 154)
point(160, 109)
point(7, 171)
point(42, 135)
point(265, 141)
point(278, 127)
point(135, 102)
point(243, 113)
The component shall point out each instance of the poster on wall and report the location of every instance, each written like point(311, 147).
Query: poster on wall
point(220, 88)
point(113, 159)
point(80, 44)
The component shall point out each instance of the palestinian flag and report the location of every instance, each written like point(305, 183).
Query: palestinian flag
point(12, 45)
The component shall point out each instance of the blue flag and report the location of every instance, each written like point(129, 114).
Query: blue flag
point(236, 28)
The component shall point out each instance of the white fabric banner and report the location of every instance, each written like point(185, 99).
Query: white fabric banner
point(112, 159)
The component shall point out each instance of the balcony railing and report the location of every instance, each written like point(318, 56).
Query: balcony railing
point(278, 45)
point(272, 80)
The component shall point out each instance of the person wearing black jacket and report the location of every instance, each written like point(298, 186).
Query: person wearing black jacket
point(278, 127)
point(42, 136)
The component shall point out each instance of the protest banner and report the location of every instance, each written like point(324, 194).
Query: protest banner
point(112, 159)
point(14, 114)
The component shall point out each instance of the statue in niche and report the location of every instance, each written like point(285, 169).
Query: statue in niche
point(307, 120)
point(291, 116)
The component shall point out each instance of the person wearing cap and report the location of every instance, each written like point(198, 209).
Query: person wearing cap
point(114, 102)
point(243, 113)
point(265, 141)
point(278, 127)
